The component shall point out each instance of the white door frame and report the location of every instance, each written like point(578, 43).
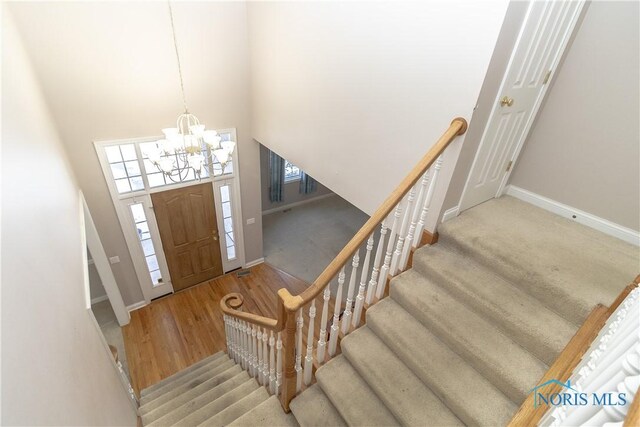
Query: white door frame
point(99, 256)
point(527, 128)
point(120, 201)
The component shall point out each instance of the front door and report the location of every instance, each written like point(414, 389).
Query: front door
point(542, 40)
point(188, 228)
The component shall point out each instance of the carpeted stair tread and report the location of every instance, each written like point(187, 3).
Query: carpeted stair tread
point(177, 375)
point(351, 395)
point(212, 388)
point(268, 413)
point(312, 408)
point(468, 394)
point(409, 399)
point(490, 352)
point(184, 384)
point(238, 409)
point(203, 407)
point(568, 266)
point(518, 314)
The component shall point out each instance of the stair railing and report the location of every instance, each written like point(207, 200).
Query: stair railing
point(278, 352)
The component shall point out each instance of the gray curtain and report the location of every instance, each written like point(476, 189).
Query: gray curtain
point(307, 184)
point(276, 177)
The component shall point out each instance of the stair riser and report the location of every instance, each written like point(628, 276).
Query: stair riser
point(538, 342)
point(536, 285)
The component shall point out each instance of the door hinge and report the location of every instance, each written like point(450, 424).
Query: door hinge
point(509, 165)
point(546, 77)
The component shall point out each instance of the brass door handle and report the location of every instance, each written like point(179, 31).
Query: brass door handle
point(506, 101)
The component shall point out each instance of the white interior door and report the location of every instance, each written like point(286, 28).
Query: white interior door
point(544, 36)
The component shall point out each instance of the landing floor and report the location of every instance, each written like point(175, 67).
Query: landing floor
point(177, 331)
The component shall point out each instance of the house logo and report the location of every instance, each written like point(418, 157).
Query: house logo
point(569, 396)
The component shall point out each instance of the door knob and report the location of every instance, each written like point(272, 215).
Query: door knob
point(506, 101)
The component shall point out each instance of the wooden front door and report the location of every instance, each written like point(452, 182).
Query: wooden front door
point(186, 219)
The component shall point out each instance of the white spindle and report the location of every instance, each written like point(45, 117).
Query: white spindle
point(279, 364)
point(236, 344)
point(357, 312)
point(427, 201)
point(308, 360)
point(322, 339)
point(397, 254)
point(376, 263)
point(408, 243)
point(243, 337)
point(272, 364)
point(384, 271)
point(346, 317)
point(300, 324)
point(335, 326)
point(249, 352)
point(265, 359)
point(254, 352)
point(259, 366)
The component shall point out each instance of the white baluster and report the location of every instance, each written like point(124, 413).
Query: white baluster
point(300, 323)
point(308, 360)
point(236, 345)
point(357, 312)
point(254, 352)
point(243, 337)
point(225, 320)
point(279, 364)
point(335, 326)
point(384, 271)
point(427, 201)
point(397, 254)
point(272, 364)
point(259, 365)
point(265, 356)
point(371, 291)
point(322, 339)
point(408, 243)
point(346, 317)
point(249, 353)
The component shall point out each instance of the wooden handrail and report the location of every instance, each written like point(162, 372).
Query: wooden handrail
point(288, 305)
point(231, 304)
point(292, 303)
point(570, 357)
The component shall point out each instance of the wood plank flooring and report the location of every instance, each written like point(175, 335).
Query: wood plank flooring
point(177, 331)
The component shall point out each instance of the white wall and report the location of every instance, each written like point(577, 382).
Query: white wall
point(584, 148)
point(55, 370)
point(355, 92)
point(108, 71)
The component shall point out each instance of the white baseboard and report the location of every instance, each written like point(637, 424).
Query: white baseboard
point(294, 204)
point(136, 306)
point(581, 217)
point(254, 263)
point(450, 213)
point(99, 299)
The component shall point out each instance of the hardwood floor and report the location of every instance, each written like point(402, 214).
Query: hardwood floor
point(177, 331)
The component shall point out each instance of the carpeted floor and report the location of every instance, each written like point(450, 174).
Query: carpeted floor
point(304, 239)
point(111, 329)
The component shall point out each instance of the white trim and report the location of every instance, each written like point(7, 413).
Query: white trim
point(581, 217)
point(135, 306)
point(254, 263)
point(91, 240)
point(450, 213)
point(294, 204)
point(99, 299)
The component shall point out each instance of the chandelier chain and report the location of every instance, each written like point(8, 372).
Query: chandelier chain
point(175, 45)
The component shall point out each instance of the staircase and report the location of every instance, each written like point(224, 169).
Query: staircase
point(463, 337)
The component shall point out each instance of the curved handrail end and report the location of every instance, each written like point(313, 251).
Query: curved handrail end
point(233, 300)
point(464, 127)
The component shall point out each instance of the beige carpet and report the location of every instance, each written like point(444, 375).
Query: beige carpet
point(304, 239)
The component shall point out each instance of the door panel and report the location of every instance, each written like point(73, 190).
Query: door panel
point(189, 231)
point(542, 40)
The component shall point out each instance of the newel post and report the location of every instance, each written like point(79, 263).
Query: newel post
point(288, 391)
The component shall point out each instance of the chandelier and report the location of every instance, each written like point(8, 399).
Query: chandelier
point(188, 146)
